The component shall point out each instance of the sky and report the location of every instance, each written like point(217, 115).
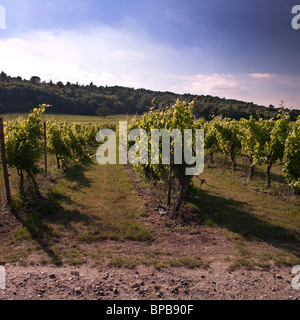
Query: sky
point(238, 49)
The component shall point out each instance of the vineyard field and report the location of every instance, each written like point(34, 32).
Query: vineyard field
point(105, 218)
point(113, 119)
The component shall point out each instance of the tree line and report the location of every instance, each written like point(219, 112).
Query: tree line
point(18, 95)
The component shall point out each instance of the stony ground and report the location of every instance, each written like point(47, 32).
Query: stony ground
point(146, 283)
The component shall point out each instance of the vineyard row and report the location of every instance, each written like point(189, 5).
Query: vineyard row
point(262, 141)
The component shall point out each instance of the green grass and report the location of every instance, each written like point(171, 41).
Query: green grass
point(158, 259)
point(75, 256)
point(95, 202)
point(278, 189)
point(189, 262)
point(240, 262)
point(249, 217)
point(91, 203)
point(128, 262)
point(73, 118)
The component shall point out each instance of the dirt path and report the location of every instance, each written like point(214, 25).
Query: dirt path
point(146, 283)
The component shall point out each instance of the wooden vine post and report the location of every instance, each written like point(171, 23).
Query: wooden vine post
point(4, 163)
point(45, 149)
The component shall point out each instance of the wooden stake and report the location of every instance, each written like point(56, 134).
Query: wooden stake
point(45, 149)
point(4, 163)
point(169, 187)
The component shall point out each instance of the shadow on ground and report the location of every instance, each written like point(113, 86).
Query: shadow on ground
point(44, 214)
point(239, 218)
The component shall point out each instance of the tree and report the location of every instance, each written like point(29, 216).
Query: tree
point(60, 84)
point(3, 76)
point(35, 80)
point(103, 112)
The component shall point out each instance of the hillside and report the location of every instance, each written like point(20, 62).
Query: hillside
point(18, 95)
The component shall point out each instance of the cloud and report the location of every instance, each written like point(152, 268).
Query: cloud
point(119, 56)
point(215, 84)
point(262, 75)
point(101, 54)
point(245, 88)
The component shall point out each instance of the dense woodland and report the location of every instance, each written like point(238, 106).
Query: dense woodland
point(18, 95)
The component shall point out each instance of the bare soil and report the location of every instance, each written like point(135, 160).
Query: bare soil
point(146, 283)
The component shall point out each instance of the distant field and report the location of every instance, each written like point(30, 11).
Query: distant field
point(73, 118)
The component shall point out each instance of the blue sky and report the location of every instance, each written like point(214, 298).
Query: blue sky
point(242, 49)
